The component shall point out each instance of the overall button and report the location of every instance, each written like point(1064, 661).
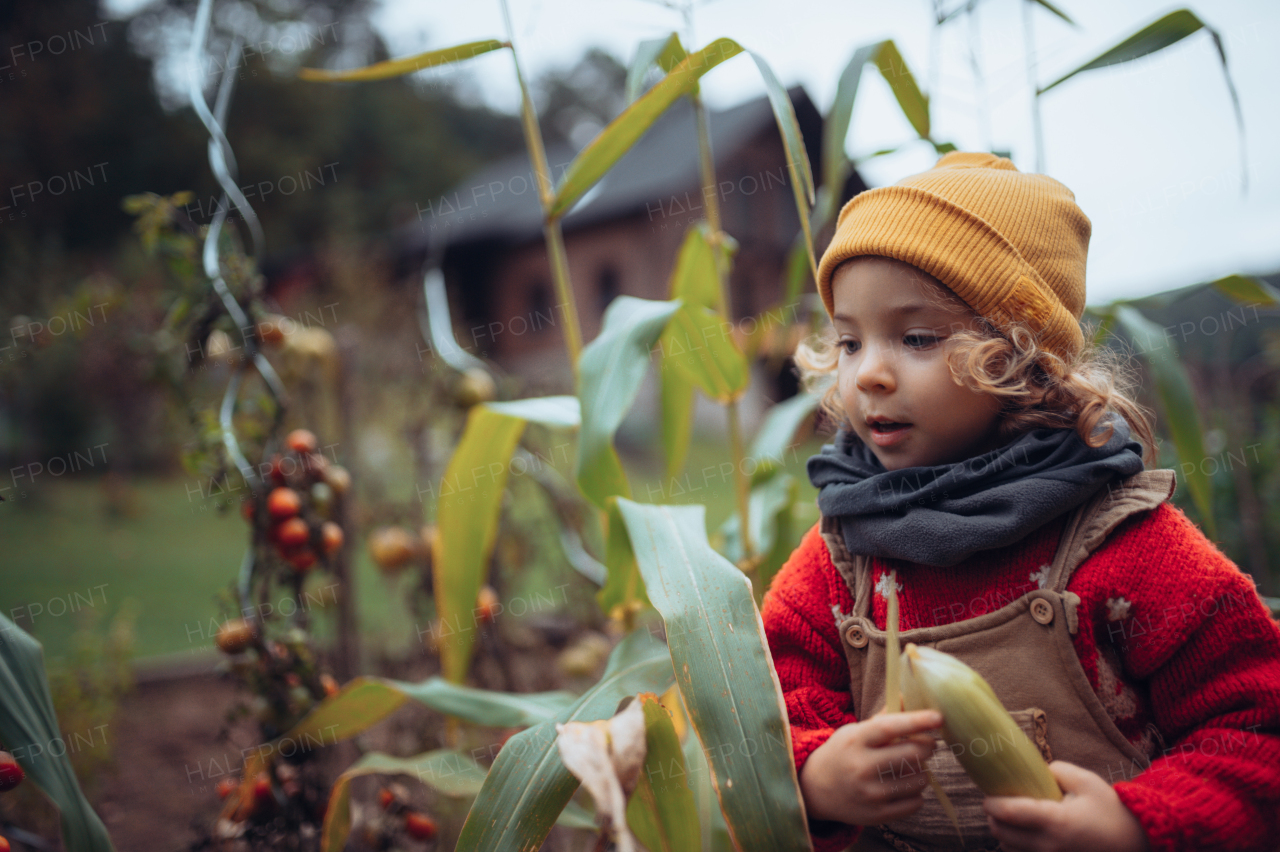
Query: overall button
point(854, 636)
point(1042, 610)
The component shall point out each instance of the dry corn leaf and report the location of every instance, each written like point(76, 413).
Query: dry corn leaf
point(607, 756)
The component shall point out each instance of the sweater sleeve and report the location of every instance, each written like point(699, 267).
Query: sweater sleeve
point(1190, 625)
point(801, 629)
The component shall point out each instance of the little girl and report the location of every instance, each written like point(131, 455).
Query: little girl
point(987, 455)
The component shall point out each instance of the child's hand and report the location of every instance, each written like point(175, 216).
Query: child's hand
point(861, 776)
point(1090, 816)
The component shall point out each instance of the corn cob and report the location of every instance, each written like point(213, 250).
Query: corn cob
point(994, 751)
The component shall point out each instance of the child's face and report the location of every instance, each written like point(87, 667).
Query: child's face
point(892, 321)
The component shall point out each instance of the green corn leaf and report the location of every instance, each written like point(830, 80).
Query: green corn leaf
point(798, 270)
point(912, 102)
point(624, 131)
point(469, 501)
point(666, 53)
point(797, 157)
point(486, 707)
point(609, 376)
point(698, 343)
point(677, 417)
point(694, 280)
point(407, 65)
point(575, 815)
point(662, 813)
point(724, 672)
point(29, 731)
point(365, 701)
point(1156, 36)
point(785, 539)
point(449, 772)
point(1178, 402)
point(835, 164)
point(467, 508)
point(715, 833)
point(882, 152)
point(1244, 290)
point(777, 433)
point(624, 587)
point(773, 532)
point(559, 411)
point(1055, 10)
point(785, 115)
point(528, 786)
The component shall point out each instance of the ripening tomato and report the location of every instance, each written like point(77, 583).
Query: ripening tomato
point(11, 773)
point(419, 826)
point(301, 441)
point(293, 533)
point(331, 535)
point(283, 503)
point(302, 559)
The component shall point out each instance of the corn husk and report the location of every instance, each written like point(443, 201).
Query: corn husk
point(892, 659)
point(994, 751)
point(894, 700)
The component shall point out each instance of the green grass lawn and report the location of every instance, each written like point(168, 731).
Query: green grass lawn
point(66, 556)
point(169, 556)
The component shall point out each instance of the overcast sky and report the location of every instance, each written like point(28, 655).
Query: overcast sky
point(1150, 149)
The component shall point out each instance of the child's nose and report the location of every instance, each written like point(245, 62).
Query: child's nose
point(875, 371)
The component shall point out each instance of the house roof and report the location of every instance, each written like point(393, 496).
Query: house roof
point(500, 202)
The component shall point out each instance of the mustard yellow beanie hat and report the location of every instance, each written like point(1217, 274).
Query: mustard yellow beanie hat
point(1011, 245)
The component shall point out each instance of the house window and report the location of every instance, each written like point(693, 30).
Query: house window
point(541, 312)
point(607, 286)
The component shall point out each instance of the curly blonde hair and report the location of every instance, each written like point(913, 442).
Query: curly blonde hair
point(1037, 388)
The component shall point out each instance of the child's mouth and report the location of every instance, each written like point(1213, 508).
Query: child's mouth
point(886, 433)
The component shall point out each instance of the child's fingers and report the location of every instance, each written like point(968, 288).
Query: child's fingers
point(1012, 838)
point(1076, 779)
point(907, 787)
point(884, 729)
point(1021, 811)
point(901, 759)
point(900, 808)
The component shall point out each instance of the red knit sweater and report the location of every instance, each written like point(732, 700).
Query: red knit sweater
point(1173, 637)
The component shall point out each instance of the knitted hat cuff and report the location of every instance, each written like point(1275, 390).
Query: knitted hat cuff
point(958, 248)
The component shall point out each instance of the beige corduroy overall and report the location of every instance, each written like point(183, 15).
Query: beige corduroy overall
point(1024, 650)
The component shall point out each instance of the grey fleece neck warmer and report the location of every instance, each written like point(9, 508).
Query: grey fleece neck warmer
point(943, 514)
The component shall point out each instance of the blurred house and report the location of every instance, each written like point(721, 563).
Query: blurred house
point(621, 238)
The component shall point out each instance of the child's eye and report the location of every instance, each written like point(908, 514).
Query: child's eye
point(849, 346)
point(921, 341)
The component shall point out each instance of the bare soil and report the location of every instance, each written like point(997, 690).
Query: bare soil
point(171, 744)
point(168, 761)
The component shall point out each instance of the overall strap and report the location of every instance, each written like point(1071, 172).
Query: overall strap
point(855, 569)
point(1090, 525)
